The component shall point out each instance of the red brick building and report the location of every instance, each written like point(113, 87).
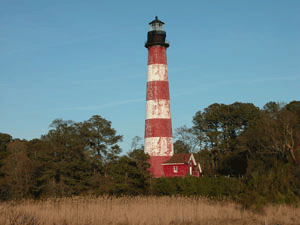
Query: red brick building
point(180, 165)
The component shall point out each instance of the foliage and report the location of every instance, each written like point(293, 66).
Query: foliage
point(188, 140)
point(18, 168)
point(219, 127)
point(180, 147)
point(101, 142)
point(247, 154)
point(5, 139)
point(130, 175)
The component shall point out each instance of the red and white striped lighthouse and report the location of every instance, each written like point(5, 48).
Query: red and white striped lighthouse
point(158, 126)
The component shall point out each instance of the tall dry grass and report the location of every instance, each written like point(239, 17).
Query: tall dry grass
point(139, 210)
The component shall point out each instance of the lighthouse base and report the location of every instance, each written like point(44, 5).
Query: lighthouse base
point(156, 168)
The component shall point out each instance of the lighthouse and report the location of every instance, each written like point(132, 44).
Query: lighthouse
point(158, 125)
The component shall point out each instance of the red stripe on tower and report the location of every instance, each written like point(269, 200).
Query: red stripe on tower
point(158, 125)
point(157, 55)
point(158, 128)
point(158, 90)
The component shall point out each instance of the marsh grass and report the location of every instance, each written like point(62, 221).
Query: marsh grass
point(140, 210)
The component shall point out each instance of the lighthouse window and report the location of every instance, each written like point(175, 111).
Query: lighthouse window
point(175, 169)
point(157, 27)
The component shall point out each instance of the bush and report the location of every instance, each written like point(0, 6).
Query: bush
point(248, 199)
point(164, 186)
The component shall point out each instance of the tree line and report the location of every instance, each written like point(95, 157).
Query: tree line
point(72, 159)
point(262, 146)
point(239, 140)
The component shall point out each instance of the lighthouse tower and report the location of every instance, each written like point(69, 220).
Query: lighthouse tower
point(158, 126)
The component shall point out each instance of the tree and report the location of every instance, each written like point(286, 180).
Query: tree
point(243, 116)
point(200, 128)
point(18, 168)
point(130, 173)
point(180, 147)
point(65, 166)
point(205, 158)
point(220, 125)
point(188, 137)
point(275, 135)
point(135, 143)
point(294, 107)
point(5, 139)
point(272, 108)
point(101, 140)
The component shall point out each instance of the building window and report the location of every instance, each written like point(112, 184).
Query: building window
point(175, 169)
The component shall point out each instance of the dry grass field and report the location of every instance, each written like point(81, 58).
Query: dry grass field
point(140, 210)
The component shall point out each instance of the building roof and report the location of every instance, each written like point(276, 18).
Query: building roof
point(180, 158)
point(156, 21)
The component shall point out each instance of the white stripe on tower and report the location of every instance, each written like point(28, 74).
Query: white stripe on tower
point(157, 72)
point(159, 146)
point(158, 109)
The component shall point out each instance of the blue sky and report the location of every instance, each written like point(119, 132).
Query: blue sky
point(74, 59)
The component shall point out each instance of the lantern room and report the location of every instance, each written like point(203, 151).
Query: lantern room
point(156, 34)
point(156, 25)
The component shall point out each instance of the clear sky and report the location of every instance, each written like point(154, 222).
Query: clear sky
point(74, 59)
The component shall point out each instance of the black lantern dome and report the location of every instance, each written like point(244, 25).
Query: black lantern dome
point(156, 34)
